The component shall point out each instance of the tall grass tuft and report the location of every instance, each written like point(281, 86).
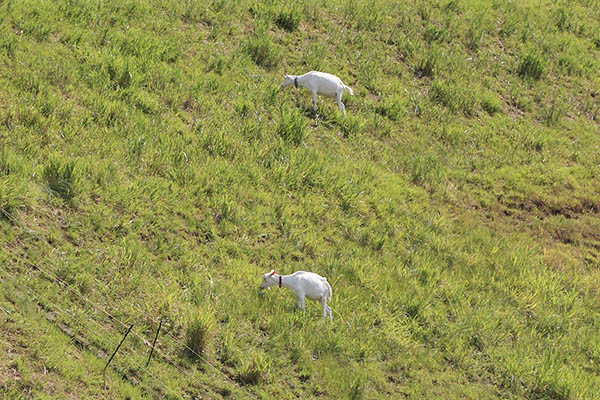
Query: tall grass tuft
point(428, 65)
point(8, 163)
point(119, 72)
point(474, 36)
point(8, 198)
point(490, 104)
point(350, 125)
point(391, 108)
point(424, 169)
point(434, 33)
point(357, 389)
point(263, 51)
point(8, 43)
point(292, 126)
point(254, 371)
point(531, 66)
point(564, 20)
point(61, 179)
point(199, 335)
point(453, 96)
point(552, 114)
point(288, 20)
point(314, 55)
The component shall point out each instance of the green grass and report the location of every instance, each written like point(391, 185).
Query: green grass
point(292, 126)
point(288, 19)
point(532, 66)
point(151, 168)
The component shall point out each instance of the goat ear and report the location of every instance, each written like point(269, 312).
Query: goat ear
point(271, 273)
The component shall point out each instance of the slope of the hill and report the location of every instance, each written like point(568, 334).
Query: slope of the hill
point(151, 169)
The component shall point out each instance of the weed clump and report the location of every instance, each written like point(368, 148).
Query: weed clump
point(8, 199)
point(552, 114)
point(490, 104)
point(119, 73)
point(228, 352)
point(8, 44)
point(424, 169)
point(357, 389)
point(263, 51)
point(199, 334)
point(61, 179)
point(531, 66)
point(564, 20)
point(350, 125)
point(292, 127)
point(223, 208)
point(474, 36)
point(254, 371)
point(288, 20)
point(451, 95)
point(428, 65)
point(391, 108)
point(452, 6)
point(434, 33)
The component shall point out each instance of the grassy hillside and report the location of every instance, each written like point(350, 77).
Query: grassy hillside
point(151, 169)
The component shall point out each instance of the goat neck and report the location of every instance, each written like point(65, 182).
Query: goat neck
point(299, 80)
point(280, 280)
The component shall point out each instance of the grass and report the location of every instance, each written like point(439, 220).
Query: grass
point(198, 335)
point(531, 66)
point(292, 126)
point(61, 179)
point(151, 168)
point(288, 19)
point(263, 51)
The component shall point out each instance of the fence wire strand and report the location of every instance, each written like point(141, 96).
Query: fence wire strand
point(47, 302)
point(54, 277)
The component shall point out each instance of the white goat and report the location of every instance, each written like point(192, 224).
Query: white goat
point(321, 83)
point(302, 284)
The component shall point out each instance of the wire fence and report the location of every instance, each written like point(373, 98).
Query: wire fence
point(48, 304)
point(53, 277)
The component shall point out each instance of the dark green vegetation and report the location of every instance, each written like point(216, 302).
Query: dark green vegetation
point(151, 168)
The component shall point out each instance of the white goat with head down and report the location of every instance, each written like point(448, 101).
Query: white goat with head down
point(302, 284)
point(320, 83)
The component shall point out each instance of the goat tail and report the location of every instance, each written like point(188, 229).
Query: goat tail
point(349, 90)
point(330, 293)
